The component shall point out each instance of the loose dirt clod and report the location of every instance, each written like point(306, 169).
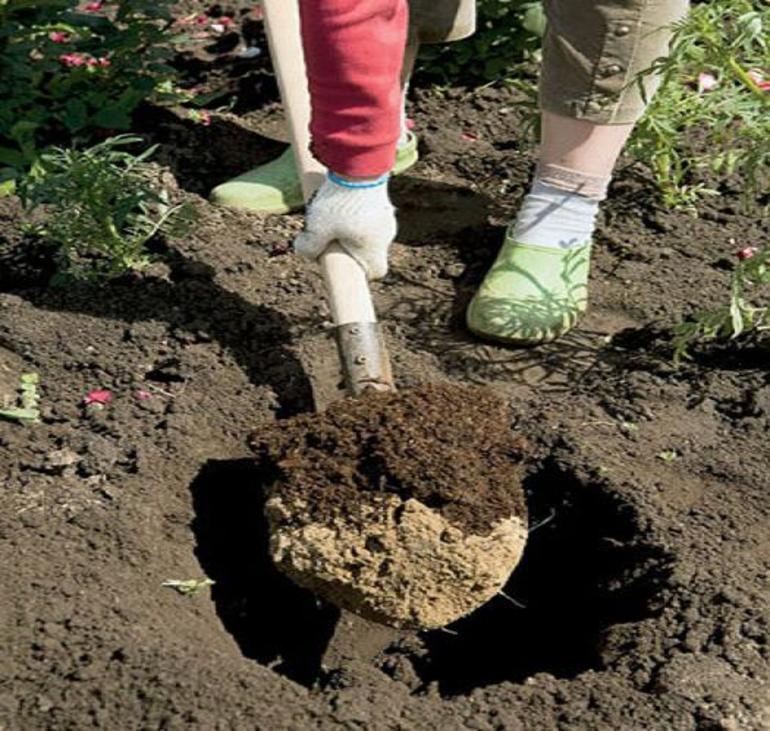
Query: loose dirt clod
point(405, 508)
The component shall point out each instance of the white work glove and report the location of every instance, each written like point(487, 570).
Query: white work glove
point(358, 216)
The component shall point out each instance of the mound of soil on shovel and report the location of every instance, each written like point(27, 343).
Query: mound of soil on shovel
point(448, 446)
point(406, 508)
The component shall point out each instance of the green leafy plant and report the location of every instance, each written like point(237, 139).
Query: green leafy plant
point(28, 412)
point(68, 70)
point(508, 33)
point(737, 317)
point(711, 117)
point(101, 209)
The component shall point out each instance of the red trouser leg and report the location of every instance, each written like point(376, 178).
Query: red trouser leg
point(354, 53)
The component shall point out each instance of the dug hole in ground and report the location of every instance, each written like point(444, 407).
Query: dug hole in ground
point(644, 593)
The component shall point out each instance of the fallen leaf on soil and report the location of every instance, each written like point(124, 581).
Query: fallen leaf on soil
point(187, 586)
point(669, 455)
point(62, 458)
point(29, 412)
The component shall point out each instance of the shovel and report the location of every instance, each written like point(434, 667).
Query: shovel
point(363, 357)
point(362, 360)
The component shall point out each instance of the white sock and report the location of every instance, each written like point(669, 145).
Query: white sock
point(555, 218)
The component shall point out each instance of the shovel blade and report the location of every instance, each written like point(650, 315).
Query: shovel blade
point(346, 361)
point(321, 361)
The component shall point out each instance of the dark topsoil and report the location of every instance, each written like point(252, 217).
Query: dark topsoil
point(446, 445)
point(643, 591)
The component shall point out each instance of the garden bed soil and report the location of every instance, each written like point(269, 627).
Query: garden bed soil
point(641, 601)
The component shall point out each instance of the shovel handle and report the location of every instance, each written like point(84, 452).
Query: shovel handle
point(284, 35)
point(347, 290)
point(346, 284)
point(363, 354)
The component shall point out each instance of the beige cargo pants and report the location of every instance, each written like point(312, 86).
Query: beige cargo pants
point(592, 52)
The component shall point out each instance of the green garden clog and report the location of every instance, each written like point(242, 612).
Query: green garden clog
point(275, 187)
point(532, 294)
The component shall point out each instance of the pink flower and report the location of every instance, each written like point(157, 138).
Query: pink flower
point(143, 395)
point(202, 20)
point(221, 24)
point(746, 253)
point(201, 116)
point(93, 7)
point(759, 79)
point(706, 82)
point(59, 36)
point(103, 62)
point(409, 123)
point(99, 396)
point(71, 60)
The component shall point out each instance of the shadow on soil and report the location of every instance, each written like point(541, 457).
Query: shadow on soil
point(584, 570)
point(433, 318)
point(223, 149)
point(433, 322)
point(273, 621)
point(192, 300)
point(445, 214)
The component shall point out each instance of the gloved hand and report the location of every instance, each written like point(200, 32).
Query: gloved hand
point(358, 216)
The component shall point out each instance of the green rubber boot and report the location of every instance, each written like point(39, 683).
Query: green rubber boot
point(275, 187)
point(532, 294)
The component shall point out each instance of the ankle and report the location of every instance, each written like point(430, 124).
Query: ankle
point(593, 187)
point(561, 208)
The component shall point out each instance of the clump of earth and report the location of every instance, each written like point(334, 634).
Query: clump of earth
point(406, 508)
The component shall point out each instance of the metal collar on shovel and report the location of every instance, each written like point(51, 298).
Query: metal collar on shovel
point(360, 342)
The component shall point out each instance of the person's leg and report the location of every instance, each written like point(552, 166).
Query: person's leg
point(275, 187)
point(593, 51)
point(577, 144)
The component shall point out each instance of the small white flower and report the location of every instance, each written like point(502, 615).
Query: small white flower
point(706, 82)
